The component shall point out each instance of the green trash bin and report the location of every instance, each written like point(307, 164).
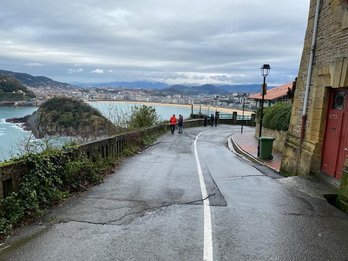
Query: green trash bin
point(266, 145)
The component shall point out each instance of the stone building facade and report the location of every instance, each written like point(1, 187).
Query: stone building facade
point(317, 139)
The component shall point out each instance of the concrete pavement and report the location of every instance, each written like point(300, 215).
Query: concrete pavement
point(245, 145)
point(153, 208)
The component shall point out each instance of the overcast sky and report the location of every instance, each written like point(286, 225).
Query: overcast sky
point(172, 41)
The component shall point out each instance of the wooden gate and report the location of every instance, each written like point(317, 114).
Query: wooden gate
point(336, 134)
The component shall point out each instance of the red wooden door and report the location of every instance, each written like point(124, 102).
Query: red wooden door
point(336, 137)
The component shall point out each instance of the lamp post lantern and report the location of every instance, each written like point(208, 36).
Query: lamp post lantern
point(264, 72)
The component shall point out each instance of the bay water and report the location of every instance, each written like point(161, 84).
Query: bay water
point(13, 138)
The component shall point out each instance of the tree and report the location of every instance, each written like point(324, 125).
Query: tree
point(142, 116)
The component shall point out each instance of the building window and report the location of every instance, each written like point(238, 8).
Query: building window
point(338, 101)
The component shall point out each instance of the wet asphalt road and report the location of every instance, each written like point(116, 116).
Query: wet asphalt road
point(151, 208)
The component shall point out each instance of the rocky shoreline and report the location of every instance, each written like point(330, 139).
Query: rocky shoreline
point(23, 121)
point(18, 103)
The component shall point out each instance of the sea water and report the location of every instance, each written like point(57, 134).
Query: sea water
point(13, 139)
point(12, 136)
point(164, 111)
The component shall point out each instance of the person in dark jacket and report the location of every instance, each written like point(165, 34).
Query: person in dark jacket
point(180, 123)
point(212, 120)
point(216, 117)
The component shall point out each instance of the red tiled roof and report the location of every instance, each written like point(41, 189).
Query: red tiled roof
point(274, 93)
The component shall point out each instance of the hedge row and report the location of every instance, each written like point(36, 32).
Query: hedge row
point(277, 117)
point(52, 176)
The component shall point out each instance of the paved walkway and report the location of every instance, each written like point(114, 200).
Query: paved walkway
point(246, 143)
point(313, 185)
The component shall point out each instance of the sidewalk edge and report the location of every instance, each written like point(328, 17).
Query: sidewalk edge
point(234, 147)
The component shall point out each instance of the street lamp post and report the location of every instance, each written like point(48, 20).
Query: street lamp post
point(264, 72)
point(241, 129)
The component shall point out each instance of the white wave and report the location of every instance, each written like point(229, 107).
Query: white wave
point(3, 121)
point(18, 126)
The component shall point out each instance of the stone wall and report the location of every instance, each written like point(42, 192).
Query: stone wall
point(280, 136)
point(11, 173)
point(330, 70)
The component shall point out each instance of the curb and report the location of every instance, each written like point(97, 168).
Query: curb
point(234, 147)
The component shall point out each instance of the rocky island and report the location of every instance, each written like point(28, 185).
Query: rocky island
point(67, 117)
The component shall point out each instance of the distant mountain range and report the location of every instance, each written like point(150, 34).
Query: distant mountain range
point(35, 81)
point(127, 85)
point(183, 89)
point(163, 88)
point(211, 89)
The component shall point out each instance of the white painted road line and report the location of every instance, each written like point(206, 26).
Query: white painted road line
point(5, 247)
point(208, 237)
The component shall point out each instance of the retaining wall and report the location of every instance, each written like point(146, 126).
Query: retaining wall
point(11, 173)
point(280, 136)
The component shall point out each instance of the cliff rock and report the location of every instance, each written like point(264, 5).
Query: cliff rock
point(69, 117)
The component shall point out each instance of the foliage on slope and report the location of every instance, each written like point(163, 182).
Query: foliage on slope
point(13, 90)
point(51, 176)
point(69, 117)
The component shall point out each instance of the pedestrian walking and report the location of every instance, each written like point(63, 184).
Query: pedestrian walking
point(180, 123)
point(172, 122)
point(205, 120)
point(212, 120)
point(216, 117)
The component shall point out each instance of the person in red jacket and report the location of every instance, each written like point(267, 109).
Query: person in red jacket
point(172, 122)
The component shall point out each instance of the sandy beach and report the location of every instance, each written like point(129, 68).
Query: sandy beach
point(195, 107)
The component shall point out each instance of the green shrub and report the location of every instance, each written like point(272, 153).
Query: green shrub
point(142, 116)
point(277, 117)
point(80, 174)
point(51, 176)
point(11, 211)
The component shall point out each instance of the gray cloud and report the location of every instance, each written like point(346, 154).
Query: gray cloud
point(223, 41)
